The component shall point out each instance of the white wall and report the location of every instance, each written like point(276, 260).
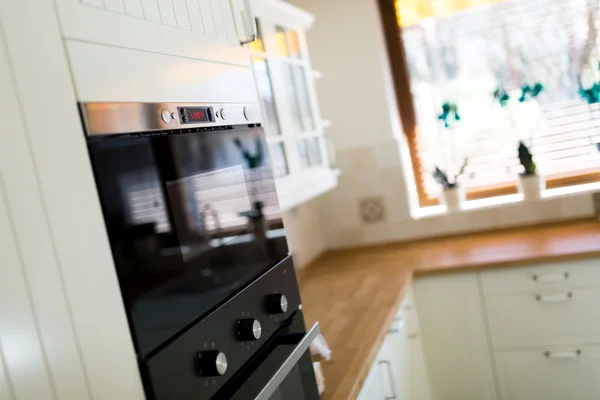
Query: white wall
point(347, 45)
point(304, 234)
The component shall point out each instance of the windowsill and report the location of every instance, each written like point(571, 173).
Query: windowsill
point(500, 201)
point(299, 188)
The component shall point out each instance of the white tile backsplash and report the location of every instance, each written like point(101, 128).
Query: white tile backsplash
point(387, 154)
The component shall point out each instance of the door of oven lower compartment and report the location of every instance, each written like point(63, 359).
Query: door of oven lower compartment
point(282, 371)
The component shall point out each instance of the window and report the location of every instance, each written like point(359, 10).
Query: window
point(461, 52)
point(286, 90)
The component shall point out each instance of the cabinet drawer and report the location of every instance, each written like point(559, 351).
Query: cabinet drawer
point(542, 277)
point(550, 373)
point(544, 317)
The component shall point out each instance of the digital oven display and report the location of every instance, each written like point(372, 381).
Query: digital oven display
point(195, 115)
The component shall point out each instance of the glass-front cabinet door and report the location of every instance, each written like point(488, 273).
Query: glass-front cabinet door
point(286, 86)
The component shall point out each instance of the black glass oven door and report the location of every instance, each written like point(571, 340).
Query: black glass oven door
point(283, 372)
point(192, 218)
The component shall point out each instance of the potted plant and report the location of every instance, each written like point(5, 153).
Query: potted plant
point(452, 195)
point(531, 183)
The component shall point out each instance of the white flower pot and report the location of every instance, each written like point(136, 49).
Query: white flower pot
point(531, 186)
point(453, 198)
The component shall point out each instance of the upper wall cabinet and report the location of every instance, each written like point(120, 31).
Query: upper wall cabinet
point(286, 88)
point(209, 30)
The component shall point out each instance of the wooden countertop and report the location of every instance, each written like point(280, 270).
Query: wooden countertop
point(355, 293)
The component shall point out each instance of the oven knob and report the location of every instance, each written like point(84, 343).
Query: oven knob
point(248, 329)
point(277, 303)
point(212, 363)
point(224, 113)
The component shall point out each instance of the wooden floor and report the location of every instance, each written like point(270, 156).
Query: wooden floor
point(355, 293)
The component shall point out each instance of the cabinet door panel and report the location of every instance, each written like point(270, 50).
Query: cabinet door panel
point(404, 373)
point(392, 363)
point(532, 375)
point(20, 344)
point(417, 386)
point(371, 389)
point(158, 26)
point(454, 338)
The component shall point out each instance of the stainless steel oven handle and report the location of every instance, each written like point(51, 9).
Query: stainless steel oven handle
point(289, 363)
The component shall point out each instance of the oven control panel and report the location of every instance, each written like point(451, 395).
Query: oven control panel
point(196, 115)
point(101, 119)
point(206, 356)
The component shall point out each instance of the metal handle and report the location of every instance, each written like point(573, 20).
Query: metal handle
point(554, 298)
point(391, 375)
point(288, 364)
point(547, 278)
point(398, 326)
point(247, 20)
point(563, 354)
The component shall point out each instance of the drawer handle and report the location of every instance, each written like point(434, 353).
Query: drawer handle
point(547, 278)
point(563, 354)
point(398, 326)
point(554, 298)
point(394, 396)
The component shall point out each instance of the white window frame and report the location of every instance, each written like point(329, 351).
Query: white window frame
point(301, 183)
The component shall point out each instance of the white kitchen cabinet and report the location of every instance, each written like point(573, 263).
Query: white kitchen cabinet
point(199, 29)
point(60, 286)
point(550, 373)
point(399, 371)
point(372, 388)
point(543, 305)
point(454, 337)
point(416, 384)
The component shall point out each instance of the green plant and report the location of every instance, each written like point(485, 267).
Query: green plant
point(442, 178)
point(526, 160)
point(529, 92)
point(502, 96)
point(449, 110)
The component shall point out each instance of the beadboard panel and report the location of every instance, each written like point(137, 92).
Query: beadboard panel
point(66, 184)
point(39, 263)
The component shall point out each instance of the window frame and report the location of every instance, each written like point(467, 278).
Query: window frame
point(300, 184)
point(288, 135)
point(406, 108)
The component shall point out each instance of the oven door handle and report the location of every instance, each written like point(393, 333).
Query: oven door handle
point(289, 363)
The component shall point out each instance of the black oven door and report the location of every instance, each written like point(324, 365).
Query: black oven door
point(192, 217)
point(282, 371)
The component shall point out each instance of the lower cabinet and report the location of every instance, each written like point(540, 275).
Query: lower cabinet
point(558, 373)
point(399, 371)
point(528, 333)
point(372, 388)
point(454, 338)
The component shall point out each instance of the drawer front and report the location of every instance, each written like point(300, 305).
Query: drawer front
point(550, 373)
point(554, 276)
point(544, 317)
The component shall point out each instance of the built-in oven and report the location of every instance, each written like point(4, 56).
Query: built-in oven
point(194, 224)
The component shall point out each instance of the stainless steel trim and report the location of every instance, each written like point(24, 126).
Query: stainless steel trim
point(256, 329)
point(288, 364)
point(119, 118)
point(221, 364)
point(563, 354)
